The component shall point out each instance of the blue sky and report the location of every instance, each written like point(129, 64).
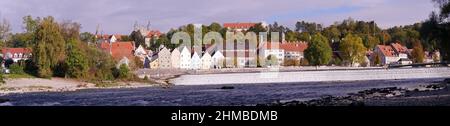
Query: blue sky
point(118, 16)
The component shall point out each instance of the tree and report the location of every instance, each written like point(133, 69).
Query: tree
point(319, 51)
point(88, 37)
point(123, 72)
point(332, 33)
point(215, 27)
point(77, 65)
point(309, 27)
point(257, 29)
point(49, 49)
point(137, 37)
point(441, 27)
point(385, 37)
point(352, 49)
point(291, 36)
point(370, 42)
point(70, 30)
point(16, 69)
point(417, 54)
point(304, 36)
point(1, 76)
point(377, 59)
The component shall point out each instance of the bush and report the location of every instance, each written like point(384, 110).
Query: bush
point(291, 62)
point(1, 76)
point(304, 62)
point(122, 73)
point(16, 69)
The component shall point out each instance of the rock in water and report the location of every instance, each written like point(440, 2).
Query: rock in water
point(227, 87)
point(4, 100)
point(447, 81)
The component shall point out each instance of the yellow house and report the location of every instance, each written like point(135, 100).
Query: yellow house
point(154, 62)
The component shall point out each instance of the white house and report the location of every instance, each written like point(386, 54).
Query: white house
point(217, 60)
point(206, 61)
point(196, 61)
point(141, 53)
point(387, 54)
point(16, 54)
point(185, 58)
point(175, 58)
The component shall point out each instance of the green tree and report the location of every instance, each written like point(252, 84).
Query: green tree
point(1, 76)
point(123, 72)
point(304, 36)
point(370, 42)
point(215, 27)
point(309, 27)
point(417, 54)
point(291, 36)
point(49, 49)
point(377, 59)
point(89, 37)
point(77, 65)
point(332, 33)
point(319, 51)
point(16, 69)
point(352, 49)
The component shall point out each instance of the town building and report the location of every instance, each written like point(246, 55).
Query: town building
point(195, 61)
point(164, 58)
point(272, 48)
point(237, 27)
point(16, 54)
point(185, 58)
point(120, 51)
point(175, 58)
point(294, 50)
point(206, 62)
point(391, 54)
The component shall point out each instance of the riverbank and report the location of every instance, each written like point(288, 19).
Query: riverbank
point(28, 85)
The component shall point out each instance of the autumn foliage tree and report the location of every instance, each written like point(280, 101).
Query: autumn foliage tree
point(417, 54)
point(49, 48)
point(352, 49)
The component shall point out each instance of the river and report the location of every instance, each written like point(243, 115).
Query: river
point(206, 95)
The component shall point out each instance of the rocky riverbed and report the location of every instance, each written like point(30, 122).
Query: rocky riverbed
point(437, 94)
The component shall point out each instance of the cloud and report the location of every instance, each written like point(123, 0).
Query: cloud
point(118, 16)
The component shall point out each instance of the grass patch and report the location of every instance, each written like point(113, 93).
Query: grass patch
point(39, 87)
point(17, 76)
point(8, 88)
point(105, 84)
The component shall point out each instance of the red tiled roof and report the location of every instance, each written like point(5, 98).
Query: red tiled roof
point(268, 45)
point(16, 50)
point(294, 46)
point(155, 33)
point(399, 48)
point(238, 25)
point(118, 36)
point(119, 49)
point(386, 50)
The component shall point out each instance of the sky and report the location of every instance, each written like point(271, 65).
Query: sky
point(119, 16)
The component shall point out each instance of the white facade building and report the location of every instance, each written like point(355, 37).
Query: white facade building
point(185, 58)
